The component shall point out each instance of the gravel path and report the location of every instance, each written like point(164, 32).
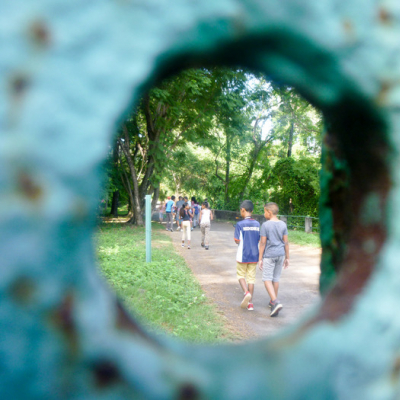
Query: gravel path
point(216, 271)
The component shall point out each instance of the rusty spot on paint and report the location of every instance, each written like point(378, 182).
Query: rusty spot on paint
point(358, 140)
point(65, 314)
point(62, 318)
point(19, 85)
point(22, 290)
point(396, 370)
point(188, 392)
point(28, 187)
point(348, 26)
point(106, 373)
point(126, 322)
point(40, 33)
point(383, 93)
point(384, 16)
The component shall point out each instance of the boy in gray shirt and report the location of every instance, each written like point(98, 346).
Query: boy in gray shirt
point(273, 254)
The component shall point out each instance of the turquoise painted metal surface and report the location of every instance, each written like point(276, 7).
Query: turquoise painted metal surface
point(148, 228)
point(69, 71)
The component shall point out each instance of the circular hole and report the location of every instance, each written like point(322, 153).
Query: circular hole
point(352, 124)
point(226, 135)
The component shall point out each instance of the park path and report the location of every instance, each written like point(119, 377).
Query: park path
point(215, 269)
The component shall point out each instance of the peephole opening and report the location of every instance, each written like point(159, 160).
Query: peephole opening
point(228, 163)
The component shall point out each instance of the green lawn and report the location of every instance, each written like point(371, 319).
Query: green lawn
point(304, 239)
point(162, 294)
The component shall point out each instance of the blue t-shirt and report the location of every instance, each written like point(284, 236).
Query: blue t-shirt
point(168, 207)
point(248, 232)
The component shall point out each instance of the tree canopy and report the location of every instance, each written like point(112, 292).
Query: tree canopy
point(221, 134)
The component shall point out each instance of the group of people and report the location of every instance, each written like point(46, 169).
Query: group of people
point(267, 247)
point(188, 216)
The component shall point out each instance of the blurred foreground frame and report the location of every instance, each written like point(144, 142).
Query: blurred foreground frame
point(70, 70)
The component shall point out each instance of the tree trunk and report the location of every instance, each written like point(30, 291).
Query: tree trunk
point(137, 210)
point(250, 173)
point(228, 161)
point(290, 142)
point(114, 204)
point(156, 194)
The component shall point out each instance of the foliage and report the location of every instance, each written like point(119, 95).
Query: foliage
point(221, 134)
point(297, 180)
point(154, 291)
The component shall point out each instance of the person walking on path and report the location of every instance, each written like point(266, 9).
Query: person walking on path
point(196, 212)
point(186, 215)
point(168, 210)
point(179, 204)
point(247, 236)
point(206, 216)
point(161, 212)
point(274, 254)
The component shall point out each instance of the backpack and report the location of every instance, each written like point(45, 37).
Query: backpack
point(196, 209)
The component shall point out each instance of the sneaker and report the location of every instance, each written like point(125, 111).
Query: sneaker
point(207, 247)
point(275, 309)
point(202, 245)
point(250, 307)
point(188, 247)
point(178, 228)
point(171, 230)
point(191, 229)
point(270, 304)
point(246, 300)
point(167, 229)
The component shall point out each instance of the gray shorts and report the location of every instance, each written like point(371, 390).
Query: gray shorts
point(272, 268)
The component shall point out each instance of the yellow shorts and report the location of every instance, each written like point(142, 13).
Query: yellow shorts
point(249, 269)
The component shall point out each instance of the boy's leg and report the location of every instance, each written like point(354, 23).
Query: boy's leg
point(251, 277)
point(183, 233)
point(276, 287)
point(270, 289)
point(188, 236)
point(243, 284)
point(241, 270)
point(207, 235)
point(277, 273)
point(268, 275)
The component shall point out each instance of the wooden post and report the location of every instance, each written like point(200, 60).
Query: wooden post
point(308, 225)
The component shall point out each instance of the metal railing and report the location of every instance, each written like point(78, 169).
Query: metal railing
point(294, 222)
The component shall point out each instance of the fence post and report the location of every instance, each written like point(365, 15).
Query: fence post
point(148, 228)
point(283, 218)
point(308, 225)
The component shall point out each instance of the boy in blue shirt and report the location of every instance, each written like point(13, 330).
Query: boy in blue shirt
point(169, 211)
point(247, 236)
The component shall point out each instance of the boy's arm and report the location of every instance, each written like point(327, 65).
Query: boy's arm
point(286, 241)
point(261, 248)
point(237, 234)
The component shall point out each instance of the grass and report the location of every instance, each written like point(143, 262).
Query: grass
point(163, 294)
point(304, 239)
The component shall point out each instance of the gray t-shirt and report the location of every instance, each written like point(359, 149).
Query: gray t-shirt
point(179, 203)
point(274, 232)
